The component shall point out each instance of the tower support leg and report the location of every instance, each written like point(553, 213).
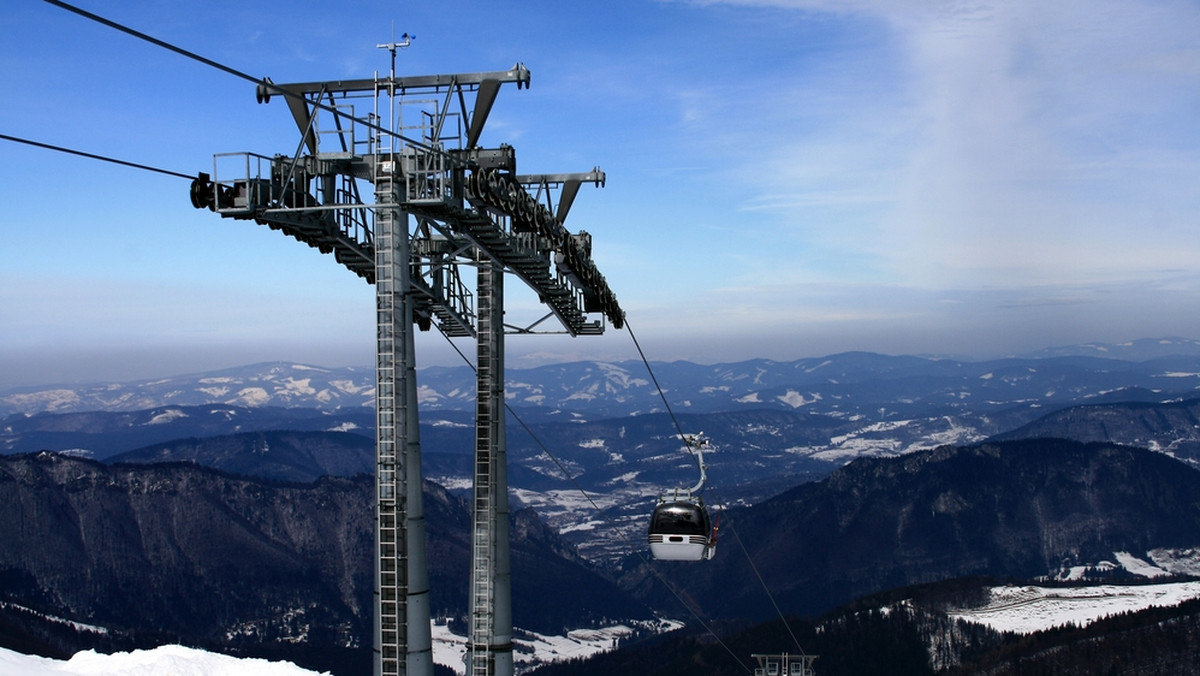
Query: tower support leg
point(490, 647)
point(402, 642)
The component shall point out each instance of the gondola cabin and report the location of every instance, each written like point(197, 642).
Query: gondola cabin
point(680, 530)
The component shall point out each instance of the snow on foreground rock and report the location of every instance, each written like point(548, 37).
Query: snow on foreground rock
point(1026, 609)
point(171, 659)
point(532, 650)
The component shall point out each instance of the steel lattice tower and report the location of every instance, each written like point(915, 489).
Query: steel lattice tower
point(443, 207)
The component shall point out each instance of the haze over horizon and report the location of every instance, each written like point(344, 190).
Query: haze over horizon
point(786, 178)
point(153, 372)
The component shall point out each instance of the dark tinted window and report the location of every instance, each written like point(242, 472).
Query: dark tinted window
point(680, 518)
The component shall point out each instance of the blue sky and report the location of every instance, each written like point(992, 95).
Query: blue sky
point(786, 178)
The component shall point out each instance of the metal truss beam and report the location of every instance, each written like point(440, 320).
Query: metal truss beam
point(488, 208)
point(485, 85)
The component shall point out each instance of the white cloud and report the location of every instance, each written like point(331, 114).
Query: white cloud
point(1008, 143)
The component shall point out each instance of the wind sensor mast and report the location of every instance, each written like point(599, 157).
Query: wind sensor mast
point(389, 177)
point(406, 40)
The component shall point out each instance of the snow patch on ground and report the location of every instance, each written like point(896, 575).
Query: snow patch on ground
point(623, 479)
point(350, 387)
point(448, 423)
point(620, 376)
point(166, 417)
point(954, 433)
point(1137, 566)
point(873, 428)
point(858, 448)
point(453, 483)
point(253, 396)
point(1178, 561)
point(48, 400)
point(796, 399)
point(827, 362)
point(1163, 561)
point(77, 626)
point(297, 386)
point(427, 395)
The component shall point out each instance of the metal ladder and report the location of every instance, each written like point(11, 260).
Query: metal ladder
point(483, 542)
point(391, 482)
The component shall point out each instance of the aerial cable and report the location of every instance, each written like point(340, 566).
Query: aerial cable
point(787, 625)
point(261, 82)
point(94, 156)
point(730, 525)
point(153, 40)
point(575, 483)
point(661, 393)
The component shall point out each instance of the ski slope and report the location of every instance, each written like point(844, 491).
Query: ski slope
point(1028, 608)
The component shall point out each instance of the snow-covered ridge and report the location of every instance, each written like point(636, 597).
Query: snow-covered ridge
point(78, 626)
point(832, 385)
point(170, 659)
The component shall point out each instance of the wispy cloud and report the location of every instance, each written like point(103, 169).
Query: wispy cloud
point(1013, 143)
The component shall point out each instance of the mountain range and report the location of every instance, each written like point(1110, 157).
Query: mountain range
point(840, 385)
point(837, 477)
point(144, 554)
point(181, 553)
point(1171, 427)
point(1019, 509)
point(600, 428)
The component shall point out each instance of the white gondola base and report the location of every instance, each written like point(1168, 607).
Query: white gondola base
point(679, 547)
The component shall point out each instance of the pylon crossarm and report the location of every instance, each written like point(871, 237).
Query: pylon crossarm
point(414, 84)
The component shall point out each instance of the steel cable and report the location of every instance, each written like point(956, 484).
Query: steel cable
point(599, 512)
point(729, 520)
point(102, 158)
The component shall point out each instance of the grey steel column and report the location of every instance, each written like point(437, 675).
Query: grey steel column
point(490, 648)
point(420, 629)
point(402, 631)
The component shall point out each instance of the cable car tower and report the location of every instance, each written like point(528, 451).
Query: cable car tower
point(783, 664)
point(389, 177)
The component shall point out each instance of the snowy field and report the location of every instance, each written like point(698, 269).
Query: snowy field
point(1026, 609)
point(532, 650)
point(1022, 609)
